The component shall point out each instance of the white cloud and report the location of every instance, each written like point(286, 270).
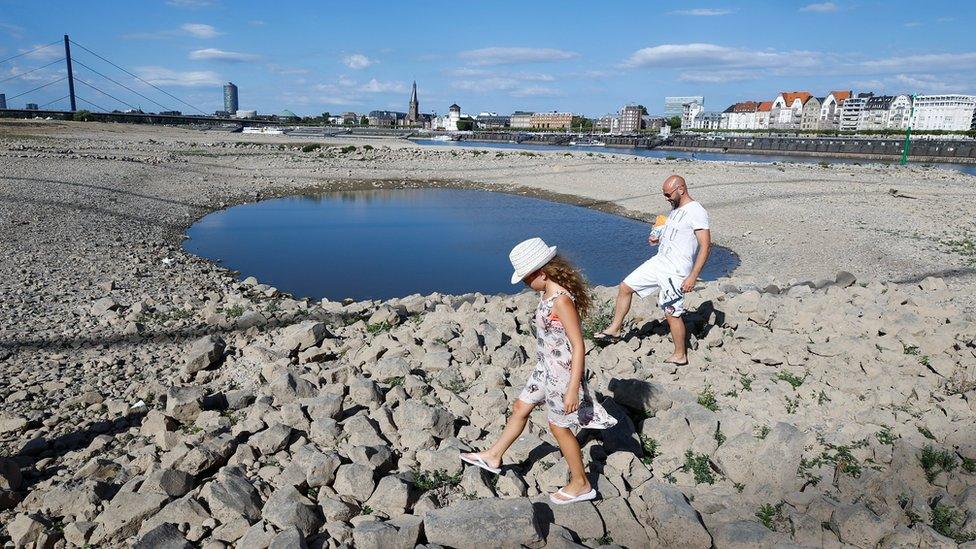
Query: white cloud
point(357, 61)
point(822, 7)
point(536, 91)
point(13, 30)
point(192, 4)
point(928, 83)
point(923, 62)
point(508, 56)
point(213, 54)
point(703, 55)
point(719, 76)
point(46, 53)
point(162, 76)
point(702, 12)
point(256, 23)
point(281, 69)
point(376, 86)
point(199, 30)
point(911, 24)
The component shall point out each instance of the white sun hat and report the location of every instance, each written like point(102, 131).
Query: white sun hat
point(529, 256)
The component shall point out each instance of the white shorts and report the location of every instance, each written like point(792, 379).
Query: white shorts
point(651, 277)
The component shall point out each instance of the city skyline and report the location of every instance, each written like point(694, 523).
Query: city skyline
point(311, 60)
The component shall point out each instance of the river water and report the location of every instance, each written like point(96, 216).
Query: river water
point(380, 244)
point(704, 156)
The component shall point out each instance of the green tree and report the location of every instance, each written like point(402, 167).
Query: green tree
point(326, 116)
point(582, 123)
point(82, 116)
point(674, 122)
point(643, 110)
point(465, 124)
point(363, 121)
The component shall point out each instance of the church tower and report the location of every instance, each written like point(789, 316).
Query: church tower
point(413, 114)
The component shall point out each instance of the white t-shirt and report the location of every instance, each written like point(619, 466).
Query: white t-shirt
point(679, 244)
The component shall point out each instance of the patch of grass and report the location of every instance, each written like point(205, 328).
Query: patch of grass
point(719, 436)
point(311, 147)
point(969, 465)
point(366, 510)
point(707, 398)
point(935, 461)
point(599, 319)
point(699, 466)
point(766, 514)
point(379, 328)
point(367, 147)
point(527, 153)
point(791, 378)
point(885, 436)
point(348, 149)
point(605, 539)
point(925, 432)
point(746, 381)
point(730, 393)
point(649, 445)
point(739, 487)
point(822, 398)
point(965, 246)
point(395, 381)
point(234, 312)
point(910, 349)
point(841, 456)
point(427, 481)
point(948, 521)
point(792, 404)
point(457, 386)
point(763, 432)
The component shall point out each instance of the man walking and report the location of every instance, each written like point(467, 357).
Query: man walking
point(673, 271)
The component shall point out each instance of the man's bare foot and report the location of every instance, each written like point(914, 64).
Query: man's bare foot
point(678, 360)
point(491, 461)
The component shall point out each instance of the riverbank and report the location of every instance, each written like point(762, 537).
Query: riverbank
point(264, 416)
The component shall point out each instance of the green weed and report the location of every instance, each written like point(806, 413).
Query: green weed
point(791, 378)
point(427, 481)
point(935, 461)
point(707, 398)
point(699, 466)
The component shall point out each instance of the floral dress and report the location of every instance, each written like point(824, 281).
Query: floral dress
point(550, 378)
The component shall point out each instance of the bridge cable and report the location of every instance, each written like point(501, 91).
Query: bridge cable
point(108, 94)
point(90, 103)
point(52, 102)
point(121, 84)
point(137, 78)
point(18, 75)
point(31, 51)
point(37, 88)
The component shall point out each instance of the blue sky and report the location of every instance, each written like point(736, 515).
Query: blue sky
point(585, 57)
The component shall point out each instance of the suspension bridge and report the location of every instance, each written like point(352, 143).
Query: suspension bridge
point(100, 86)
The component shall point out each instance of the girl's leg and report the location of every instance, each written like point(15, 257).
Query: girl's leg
point(513, 428)
point(569, 446)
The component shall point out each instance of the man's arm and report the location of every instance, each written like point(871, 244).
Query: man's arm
point(704, 237)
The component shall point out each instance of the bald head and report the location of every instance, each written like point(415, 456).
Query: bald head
point(673, 182)
point(675, 191)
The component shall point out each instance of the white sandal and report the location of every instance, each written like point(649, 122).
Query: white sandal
point(480, 462)
point(586, 496)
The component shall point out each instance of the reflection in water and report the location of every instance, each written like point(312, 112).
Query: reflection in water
point(378, 244)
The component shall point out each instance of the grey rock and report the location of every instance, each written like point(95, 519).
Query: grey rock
point(483, 523)
point(643, 396)
point(845, 279)
point(10, 477)
point(77, 533)
point(203, 353)
point(104, 305)
point(231, 496)
point(11, 424)
point(379, 535)
point(25, 530)
point(621, 525)
point(287, 507)
point(354, 480)
point(857, 525)
point(272, 439)
point(392, 496)
point(169, 482)
point(287, 387)
point(746, 534)
point(299, 337)
point(414, 415)
point(164, 536)
point(123, 516)
point(258, 536)
point(185, 510)
point(289, 538)
point(326, 405)
point(319, 468)
point(184, 404)
point(337, 510)
point(665, 508)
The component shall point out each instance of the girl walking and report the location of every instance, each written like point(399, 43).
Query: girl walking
point(559, 376)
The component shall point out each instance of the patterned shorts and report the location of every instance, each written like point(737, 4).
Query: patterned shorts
point(649, 277)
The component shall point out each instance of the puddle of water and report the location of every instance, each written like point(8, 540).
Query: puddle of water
point(380, 244)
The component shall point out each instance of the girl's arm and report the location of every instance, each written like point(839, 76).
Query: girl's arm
point(566, 311)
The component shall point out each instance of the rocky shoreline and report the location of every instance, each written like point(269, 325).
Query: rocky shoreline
point(154, 399)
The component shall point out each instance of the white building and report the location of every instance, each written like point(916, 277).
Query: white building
point(830, 109)
point(521, 120)
point(763, 114)
point(448, 122)
point(689, 112)
point(944, 112)
point(674, 106)
point(899, 112)
point(850, 114)
point(741, 116)
point(788, 110)
point(874, 113)
point(607, 122)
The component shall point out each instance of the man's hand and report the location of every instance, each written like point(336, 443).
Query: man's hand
point(652, 240)
point(571, 402)
point(689, 284)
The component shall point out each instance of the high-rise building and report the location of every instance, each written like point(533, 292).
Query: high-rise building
point(413, 111)
point(230, 98)
point(630, 119)
point(944, 112)
point(674, 106)
point(3, 101)
point(850, 114)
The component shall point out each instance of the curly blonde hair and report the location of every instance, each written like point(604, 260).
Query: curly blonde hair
point(564, 273)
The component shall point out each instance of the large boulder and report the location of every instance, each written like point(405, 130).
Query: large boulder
point(746, 534)
point(203, 353)
point(484, 523)
point(164, 536)
point(665, 508)
point(414, 415)
point(232, 496)
point(184, 404)
point(123, 516)
point(287, 507)
point(303, 335)
point(644, 396)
